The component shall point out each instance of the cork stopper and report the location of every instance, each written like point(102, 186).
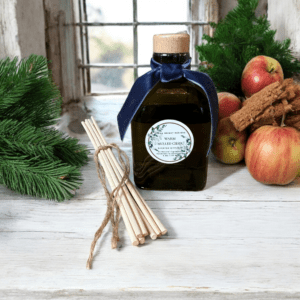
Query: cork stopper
point(171, 43)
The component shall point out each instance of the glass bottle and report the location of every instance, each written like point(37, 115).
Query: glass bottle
point(171, 130)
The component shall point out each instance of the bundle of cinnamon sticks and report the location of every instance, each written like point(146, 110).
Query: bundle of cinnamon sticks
point(138, 217)
point(276, 103)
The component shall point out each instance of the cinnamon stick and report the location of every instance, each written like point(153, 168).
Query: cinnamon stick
point(296, 125)
point(275, 111)
point(266, 106)
point(292, 119)
point(255, 105)
point(262, 122)
point(295, 104)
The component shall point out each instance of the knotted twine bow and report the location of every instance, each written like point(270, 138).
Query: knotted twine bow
point(167, 73)
point(111, 199)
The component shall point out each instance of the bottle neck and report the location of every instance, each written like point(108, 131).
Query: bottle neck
point(171, 58)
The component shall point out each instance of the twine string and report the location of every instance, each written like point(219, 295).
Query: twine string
point(112, 211)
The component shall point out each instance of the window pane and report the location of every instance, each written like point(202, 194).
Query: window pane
point(142, 71)
point(111, 44)
point(162, 10)
point(195, 68)
point(111, 79)
point(109, 11)
point(145, 39)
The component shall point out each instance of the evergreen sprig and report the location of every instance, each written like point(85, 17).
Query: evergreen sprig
point(35, 158)
point(238, 38)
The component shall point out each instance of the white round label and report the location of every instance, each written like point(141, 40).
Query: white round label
point(169, 141)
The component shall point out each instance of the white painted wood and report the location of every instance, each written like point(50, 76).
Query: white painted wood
point(236, 239)
point(162, 265)
point(22, 28)
point(69, 52)
point(31, 27)
point(145, 295)
point(184, 219)
point(284, 17)
point(9, 44)
point(211, 247)
point(61, 47)
point(51, 11)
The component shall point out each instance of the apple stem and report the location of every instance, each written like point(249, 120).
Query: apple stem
point(232, 143)
point(271, 70)
point(282, 121)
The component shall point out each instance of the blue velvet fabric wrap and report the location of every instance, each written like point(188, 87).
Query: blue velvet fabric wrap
point(166, 73)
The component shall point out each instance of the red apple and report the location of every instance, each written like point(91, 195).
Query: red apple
point(273, 154)
point(228, 104)
point(229, 144)
point(259, 72)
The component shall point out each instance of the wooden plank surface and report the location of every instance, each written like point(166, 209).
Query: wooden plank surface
point(236, 239)
point(216, 246)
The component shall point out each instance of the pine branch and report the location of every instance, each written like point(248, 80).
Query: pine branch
point(44, 142)
point(67, 149)
point(33, 150)
point(35, 159)
point(27, 91)
point(52, 180)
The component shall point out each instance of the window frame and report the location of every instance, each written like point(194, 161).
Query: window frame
point(193, 29)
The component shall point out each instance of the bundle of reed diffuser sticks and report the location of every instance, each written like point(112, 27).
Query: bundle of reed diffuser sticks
point(138, 217)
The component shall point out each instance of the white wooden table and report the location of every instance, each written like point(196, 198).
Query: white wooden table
point(237, 239)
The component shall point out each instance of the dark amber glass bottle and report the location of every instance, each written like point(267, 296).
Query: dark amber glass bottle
point(171, 130)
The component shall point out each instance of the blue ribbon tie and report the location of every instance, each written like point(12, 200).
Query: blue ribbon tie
point(166, 73)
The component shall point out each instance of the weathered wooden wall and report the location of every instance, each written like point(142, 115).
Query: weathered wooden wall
point(285, 18)
point(22, 28)
point(31, 27)
point(227, 5)
point(9, 45)
point(62, 47)
point(43, 27)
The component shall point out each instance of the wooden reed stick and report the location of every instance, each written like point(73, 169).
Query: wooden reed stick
point(162, 228)
point(142, 240)
point(143, 218)
point(152, 233)
point(155, 223)
point(129, 212)
point(119, 177)
point(119, 197)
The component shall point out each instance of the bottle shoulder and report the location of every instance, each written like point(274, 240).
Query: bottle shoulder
point(179, 91)
point(180, 100)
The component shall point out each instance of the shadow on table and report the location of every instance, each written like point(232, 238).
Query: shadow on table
point(218, 171)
